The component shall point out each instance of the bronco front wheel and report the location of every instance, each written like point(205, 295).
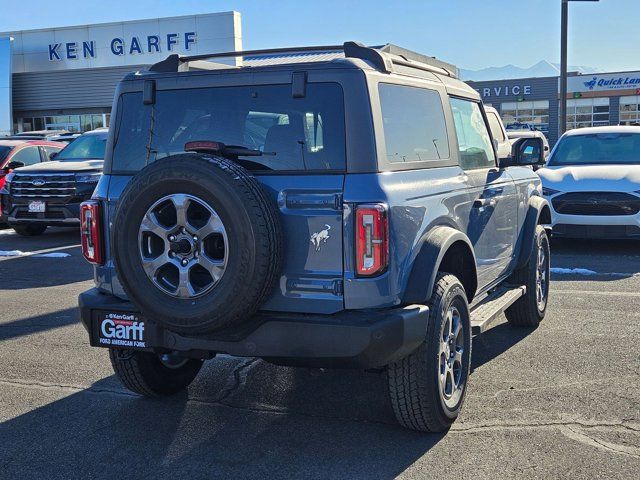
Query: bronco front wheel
point(427, 387)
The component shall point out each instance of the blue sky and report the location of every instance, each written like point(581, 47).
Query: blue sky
point(470, 33)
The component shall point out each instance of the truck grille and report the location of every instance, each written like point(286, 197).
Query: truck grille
point(43, 186)
point(596, 203)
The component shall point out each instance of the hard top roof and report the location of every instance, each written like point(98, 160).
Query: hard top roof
point(389, 58)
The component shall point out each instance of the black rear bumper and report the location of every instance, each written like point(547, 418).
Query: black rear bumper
point(350, 339)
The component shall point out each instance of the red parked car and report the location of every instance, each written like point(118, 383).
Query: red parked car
point(19, 153)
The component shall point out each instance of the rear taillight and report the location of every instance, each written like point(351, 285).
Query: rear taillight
point(372, 239)
point(91, 232)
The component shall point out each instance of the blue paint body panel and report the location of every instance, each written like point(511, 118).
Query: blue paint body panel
point(488, 206)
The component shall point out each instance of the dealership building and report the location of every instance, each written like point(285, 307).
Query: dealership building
point(65, 78)
point(592, 100)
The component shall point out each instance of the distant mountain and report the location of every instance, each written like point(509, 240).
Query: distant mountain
point(540, 69)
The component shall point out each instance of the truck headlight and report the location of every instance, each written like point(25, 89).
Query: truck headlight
point(547, 192)
point(7, 181)
point(88, 177)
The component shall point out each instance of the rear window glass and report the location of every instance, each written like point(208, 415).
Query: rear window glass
point(293, 133)
point(414, 124)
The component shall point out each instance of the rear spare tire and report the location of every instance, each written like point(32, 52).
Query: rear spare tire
point(196, 243)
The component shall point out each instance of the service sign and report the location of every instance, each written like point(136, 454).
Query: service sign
point(599, 82)
point(142, 42)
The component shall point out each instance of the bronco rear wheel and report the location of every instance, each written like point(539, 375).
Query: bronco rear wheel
point(152, 375)
point(428, 386)
point(197, 243)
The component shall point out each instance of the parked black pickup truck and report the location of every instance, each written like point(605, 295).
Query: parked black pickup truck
point(50, 193)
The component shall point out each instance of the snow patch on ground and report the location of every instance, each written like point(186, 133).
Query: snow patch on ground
point(587, 272)
point(11, 253)
point(572, 271)
point(20, 253)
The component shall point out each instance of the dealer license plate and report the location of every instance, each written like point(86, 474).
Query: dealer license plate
point(120, 330)
point(37, 206)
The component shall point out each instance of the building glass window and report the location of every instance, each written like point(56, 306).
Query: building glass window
point(587, 112)
point(534, 112)
point(630, 110)
point(74, 123)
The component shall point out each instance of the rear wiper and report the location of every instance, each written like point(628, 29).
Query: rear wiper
point(207, 146)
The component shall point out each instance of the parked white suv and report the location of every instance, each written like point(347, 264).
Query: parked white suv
point(592, 181)
point(505, 138)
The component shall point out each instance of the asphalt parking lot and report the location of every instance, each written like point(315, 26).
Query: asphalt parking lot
point(561, 401)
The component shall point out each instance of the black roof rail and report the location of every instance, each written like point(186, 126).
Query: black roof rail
point(412, 57)
point(382, 57)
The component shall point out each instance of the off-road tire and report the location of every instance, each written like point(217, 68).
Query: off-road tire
point(254, 235)
point(414, 380)
point(526, 312)
point(145, 374)
point(31, 230)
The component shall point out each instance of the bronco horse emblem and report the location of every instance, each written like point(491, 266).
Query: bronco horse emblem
point(320, 237)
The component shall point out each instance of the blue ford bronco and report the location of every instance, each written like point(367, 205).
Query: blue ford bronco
point(338, 206)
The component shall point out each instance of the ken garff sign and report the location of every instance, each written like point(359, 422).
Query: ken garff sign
point(120, 46)
point(505, 91)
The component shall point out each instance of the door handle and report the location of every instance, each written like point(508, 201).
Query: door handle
point(484, 202)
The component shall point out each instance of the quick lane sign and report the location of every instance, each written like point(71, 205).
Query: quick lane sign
point(120, 46)
point(603, 82)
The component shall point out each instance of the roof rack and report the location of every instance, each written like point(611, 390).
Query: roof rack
point(382, 57)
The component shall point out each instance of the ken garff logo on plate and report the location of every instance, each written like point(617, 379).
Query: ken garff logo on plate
point(38, 182)
point(320, 237)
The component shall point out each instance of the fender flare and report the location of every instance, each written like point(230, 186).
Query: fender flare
point(434, 246)
point(538, 209)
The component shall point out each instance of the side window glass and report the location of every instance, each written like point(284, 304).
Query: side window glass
point(494, 125)
point(474, 141)
point(49, 150)
point(28, 156)
point(414, 124)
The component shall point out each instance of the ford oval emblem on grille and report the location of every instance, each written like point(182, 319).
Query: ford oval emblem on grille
point(38, 182)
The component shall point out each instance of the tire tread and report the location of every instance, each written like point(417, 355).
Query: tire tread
point(412, 398)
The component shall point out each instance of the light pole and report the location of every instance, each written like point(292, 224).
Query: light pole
point(564, 17)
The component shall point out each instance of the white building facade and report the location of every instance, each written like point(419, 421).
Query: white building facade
point(66, 77)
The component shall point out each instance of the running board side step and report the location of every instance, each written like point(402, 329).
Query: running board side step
point(485, 312)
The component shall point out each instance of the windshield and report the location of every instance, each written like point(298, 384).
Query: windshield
point(597, 149)
point(304, 133)
point(4, 151)
point(85, 147)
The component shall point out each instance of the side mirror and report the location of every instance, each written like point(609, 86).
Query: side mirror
point(14, 165)
point(53, 155)
point(528, 152)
